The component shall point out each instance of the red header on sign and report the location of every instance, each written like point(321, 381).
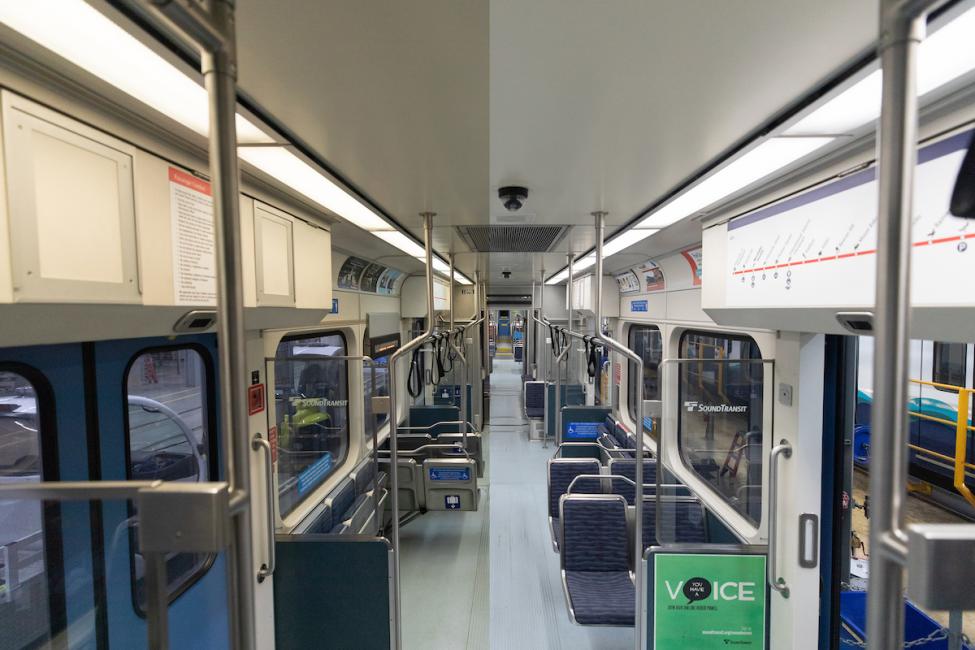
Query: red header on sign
point(187, 179)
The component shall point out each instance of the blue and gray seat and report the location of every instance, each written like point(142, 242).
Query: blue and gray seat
point(561, 473)
point(595, 560)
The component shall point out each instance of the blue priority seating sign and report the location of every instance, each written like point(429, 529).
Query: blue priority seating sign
point(582, 431)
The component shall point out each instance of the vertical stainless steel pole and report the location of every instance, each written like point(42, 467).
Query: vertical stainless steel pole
point(210, 25)
point(901, 31)
point(394, 430)
point(568, 298)
point(530, 336)
point(219, 69)
point(541, 313)
point(476, 389)
point(597, 330)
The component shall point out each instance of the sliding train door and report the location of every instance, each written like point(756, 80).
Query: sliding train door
point(157, 413)
point(71, 575)
point(49, 566)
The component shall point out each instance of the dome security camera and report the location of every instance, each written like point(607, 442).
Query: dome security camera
point(506, 274)
point(513, 197)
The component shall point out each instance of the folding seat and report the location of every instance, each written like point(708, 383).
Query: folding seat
point(561, 473)
point(595, 560)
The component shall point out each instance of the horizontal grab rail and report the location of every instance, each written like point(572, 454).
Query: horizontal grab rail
point(416, 452)
point(572, 483)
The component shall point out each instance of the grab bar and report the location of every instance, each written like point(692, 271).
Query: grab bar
point(415, 452)
point(260, 443)
point(572, 483)
point(775, 582)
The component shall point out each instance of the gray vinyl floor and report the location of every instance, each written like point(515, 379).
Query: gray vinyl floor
point(490, 578)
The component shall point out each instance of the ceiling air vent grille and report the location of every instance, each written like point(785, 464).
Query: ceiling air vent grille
point(512, 239)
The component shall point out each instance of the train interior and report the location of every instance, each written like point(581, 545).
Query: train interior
point(503, 324)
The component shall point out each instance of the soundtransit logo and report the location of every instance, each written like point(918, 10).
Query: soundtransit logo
point(698, 407)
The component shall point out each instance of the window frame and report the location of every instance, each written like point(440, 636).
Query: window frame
point(46, 409)
point(298, 336)
point(937, 351)
point(633, 387)
point(211, 409)
point(743, 338)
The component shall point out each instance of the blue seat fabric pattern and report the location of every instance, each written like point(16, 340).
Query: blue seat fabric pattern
point(561, 473)
point(600, 597)
point(627, 467)
point(594, 556)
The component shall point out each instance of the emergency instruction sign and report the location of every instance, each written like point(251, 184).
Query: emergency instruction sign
point(706, 600)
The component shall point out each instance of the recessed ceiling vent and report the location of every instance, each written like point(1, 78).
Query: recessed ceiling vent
point(512, 239)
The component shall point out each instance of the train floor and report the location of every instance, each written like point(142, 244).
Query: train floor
point(917, 510)
point(490, 579)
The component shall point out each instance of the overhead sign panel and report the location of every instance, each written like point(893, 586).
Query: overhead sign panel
point(818, 249)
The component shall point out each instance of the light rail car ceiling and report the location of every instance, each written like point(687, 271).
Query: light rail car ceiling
point(434, 104)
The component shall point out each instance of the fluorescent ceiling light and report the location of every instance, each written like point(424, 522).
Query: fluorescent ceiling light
point(440, 265)
point(943, 56)
point(402, 242)
point(768, 157)
point(460, 278)
point(561, 276)
point(305, 179)
point(81, 34)
point(626, 239)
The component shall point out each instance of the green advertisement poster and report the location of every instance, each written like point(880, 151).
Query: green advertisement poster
point(700, 601)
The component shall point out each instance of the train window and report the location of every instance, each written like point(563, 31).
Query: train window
point(720, 428)
point(25, 617)
point(645, 340)
point(168, 430)
point(950, 363)
point(311, 392)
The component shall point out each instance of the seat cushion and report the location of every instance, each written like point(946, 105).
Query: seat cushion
point(601, 597)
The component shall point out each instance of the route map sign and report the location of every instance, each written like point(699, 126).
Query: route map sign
point(807, 251)
point(706, 598)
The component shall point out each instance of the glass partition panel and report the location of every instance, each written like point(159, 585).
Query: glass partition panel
point(722, 417)
point(645, 341)
point(311, 393)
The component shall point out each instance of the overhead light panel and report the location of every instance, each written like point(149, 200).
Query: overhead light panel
point(944, 56)
point(83, 36)
point(626, 239)
point(768, 157)
point(460, 278)
point(402, 242)
point(294, 172)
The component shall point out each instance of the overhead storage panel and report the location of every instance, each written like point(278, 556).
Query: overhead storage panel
point(71, 219)
point(274, 255)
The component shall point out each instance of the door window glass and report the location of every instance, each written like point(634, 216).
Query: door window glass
point(311, 392)
point(24, 601)
point(949, 363)
point(721, 415)
point(168, 432)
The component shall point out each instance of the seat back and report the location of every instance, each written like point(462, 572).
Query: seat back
point(363, 476)
point(627, 467)
point(341, 499)
point(318, 521)
point(684, 521)
point(594, 534)
point(561, 472)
